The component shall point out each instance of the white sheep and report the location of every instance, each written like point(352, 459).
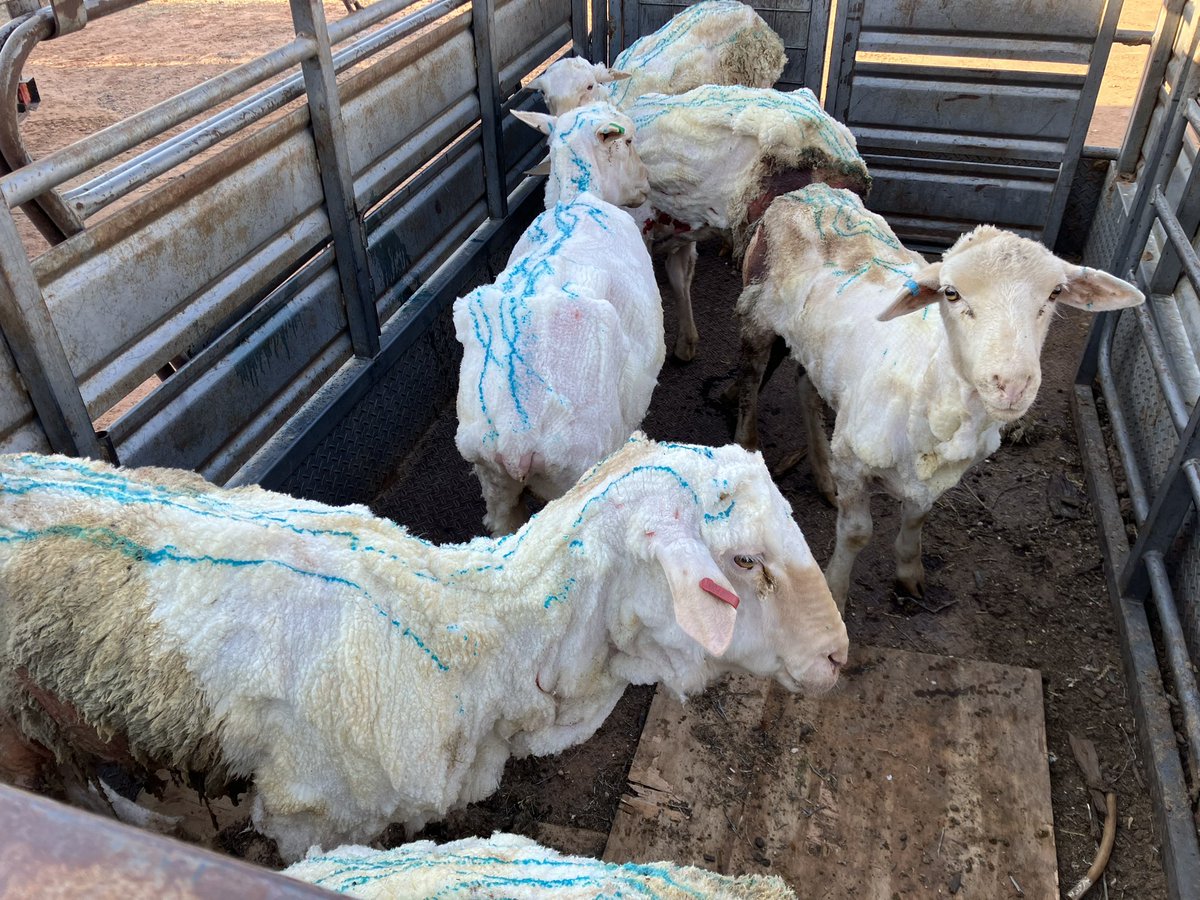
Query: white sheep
point(359, 675)
point(510, 866)
point(717, 157)
point(562, 352)
point(714, 42)
point(920, 399)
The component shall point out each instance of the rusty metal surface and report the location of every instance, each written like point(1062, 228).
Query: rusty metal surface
point(69, 15)
point(48, 849)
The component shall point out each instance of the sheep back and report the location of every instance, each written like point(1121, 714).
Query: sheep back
point(715, 42)
point(512, 866)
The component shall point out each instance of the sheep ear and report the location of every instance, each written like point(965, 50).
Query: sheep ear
point(611, 75)
point(540, 121)
point(535, 84)
point(917, 293)
point(1098, 291)
point(610, 130)
point(704, 600)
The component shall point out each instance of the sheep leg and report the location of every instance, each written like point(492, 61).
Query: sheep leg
point(681, 268)
point(756, 350)
point(502, 495)
point(910, 572)
point(853, 532)
point(812, 410)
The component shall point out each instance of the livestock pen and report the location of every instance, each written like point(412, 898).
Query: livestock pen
point(252, 279)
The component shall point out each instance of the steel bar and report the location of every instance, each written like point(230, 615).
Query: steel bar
point(102, 190)
point(1152, 76)
point(1178, 255)
point(75, 159)
point(579, 27)
point(1171, 504)
point(51, 849)
point(38, 352)
point(487, 79)
point(333, 157)
point(1176, 406)
point(1084, 107)
point(1161, 159)
point(1116, 418)
point(599, 48)
point(1156, 734)
point(1133, 37)
point(1178, 662)
point(48, 213)
point(272, 467)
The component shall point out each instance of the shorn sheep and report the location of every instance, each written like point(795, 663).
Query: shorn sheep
point(562, 352)
point(717, 157)
point(714, 42)
point(922, 362)
point(359, 675)
point(510, 866)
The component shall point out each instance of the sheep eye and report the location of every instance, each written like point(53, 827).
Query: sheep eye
point(951, 293)
point(1054, 293)
point(589, 87)
point(746, 562)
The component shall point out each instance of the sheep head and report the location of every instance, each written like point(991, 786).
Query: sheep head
point(713, 572)
point(997, 293)
point(573, 82)
point(591, 149)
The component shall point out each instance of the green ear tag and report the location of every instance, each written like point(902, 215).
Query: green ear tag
point(620, 128)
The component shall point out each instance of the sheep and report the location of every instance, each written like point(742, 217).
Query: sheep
point(717, 157)
point(562, 353)
point(714, 42)
point(918, 400)
point(516, 867)
point(358, 675)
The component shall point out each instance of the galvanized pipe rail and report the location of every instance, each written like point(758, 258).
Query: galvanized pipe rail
point(1140, 577)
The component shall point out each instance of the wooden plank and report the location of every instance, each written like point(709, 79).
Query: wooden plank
point(916, 772)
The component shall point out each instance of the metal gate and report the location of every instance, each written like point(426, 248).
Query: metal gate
point(1145, 364)
point(952, 134)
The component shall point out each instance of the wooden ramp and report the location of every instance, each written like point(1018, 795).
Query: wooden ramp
point(919, 776)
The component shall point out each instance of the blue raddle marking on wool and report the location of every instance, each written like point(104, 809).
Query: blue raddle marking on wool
point(841, 214)
point(561, 595)
point(355, 872)
point(501, 314)
point(111, 486)
point(801, 104)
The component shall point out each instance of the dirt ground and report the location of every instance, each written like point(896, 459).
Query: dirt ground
point(1011, 552)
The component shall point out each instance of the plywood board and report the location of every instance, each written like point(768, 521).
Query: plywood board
point(917, 775)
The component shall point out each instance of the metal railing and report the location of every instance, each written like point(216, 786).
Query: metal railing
point(1154, 250)
point(344, 216)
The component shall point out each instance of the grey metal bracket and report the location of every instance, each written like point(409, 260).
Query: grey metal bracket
point(329, 134)
point(69, 15)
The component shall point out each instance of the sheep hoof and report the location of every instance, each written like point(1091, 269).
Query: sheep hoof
point(685, 350)
point(789, 462)
point(828, 494)
point(911, 587)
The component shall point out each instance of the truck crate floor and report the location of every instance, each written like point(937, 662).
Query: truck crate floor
point(917, 775)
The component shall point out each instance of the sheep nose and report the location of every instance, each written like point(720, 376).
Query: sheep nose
point(1012, 389)
point(837, 659)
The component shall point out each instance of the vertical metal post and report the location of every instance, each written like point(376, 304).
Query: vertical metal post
point(1147, 96)
point(329, 134)
point(599, 31)
point(1083, 115)
point(579, 27)
point(483, 28)
point(846, 27)
point(38, 351)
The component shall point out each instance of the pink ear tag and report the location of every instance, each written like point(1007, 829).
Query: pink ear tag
point(723, 594)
